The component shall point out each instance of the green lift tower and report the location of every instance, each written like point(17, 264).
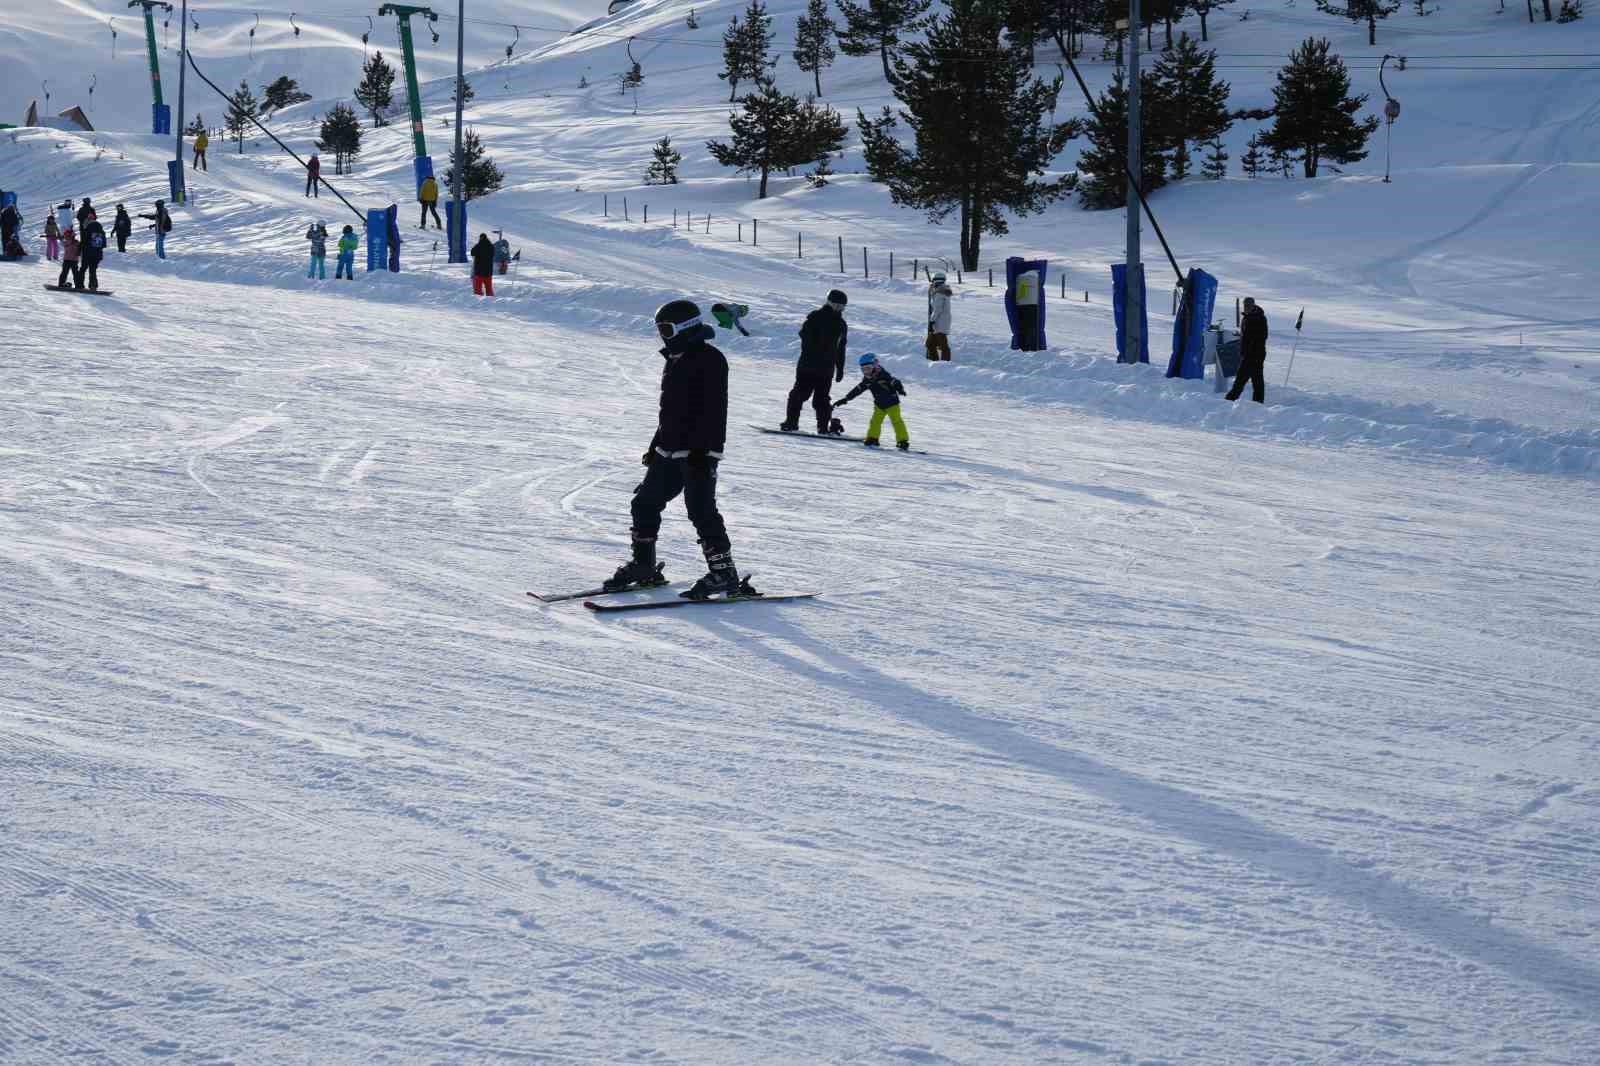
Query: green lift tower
point(161, 114)
point(423, 164)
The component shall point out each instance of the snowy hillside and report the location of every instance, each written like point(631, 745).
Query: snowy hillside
point(1128, 725)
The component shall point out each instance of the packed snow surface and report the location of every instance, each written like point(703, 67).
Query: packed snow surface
point(1128, 726)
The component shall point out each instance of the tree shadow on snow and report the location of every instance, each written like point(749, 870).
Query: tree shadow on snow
point(1201, 821)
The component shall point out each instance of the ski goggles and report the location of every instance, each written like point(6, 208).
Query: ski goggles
point(669, 330)
point(839, 307)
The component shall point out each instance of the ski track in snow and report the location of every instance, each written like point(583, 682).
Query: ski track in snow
point(1129, 726)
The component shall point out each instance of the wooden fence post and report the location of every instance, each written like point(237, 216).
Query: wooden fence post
point(891, 263)
point(674, 218)
point(646, 214)
point(625, 209)
point(915, 265)
point(841, 255)
point(708, 223)
point(755, 232)
point(799, 246)
point(605, 205)
point(741, 233)
point(864, 261)
point(991, 277)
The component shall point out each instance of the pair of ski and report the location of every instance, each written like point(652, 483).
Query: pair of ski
point(590, 599)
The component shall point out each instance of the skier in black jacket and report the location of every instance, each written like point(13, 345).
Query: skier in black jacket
point(93, 250)
point(483, 266)
point(122, 226)
point(822, 344)
point(683, 456)
point(1252, 353)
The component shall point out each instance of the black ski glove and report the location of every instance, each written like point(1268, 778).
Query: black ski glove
point(839, 403)
point(648, 457)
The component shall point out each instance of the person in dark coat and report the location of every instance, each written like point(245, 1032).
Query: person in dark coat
point(313, 177)
point(85, 209)
point(93, 250)
point(10, 227)
point(483, 266)
point(122, 226)
point(683, 456)
point(822, 344)
point(1252, 353)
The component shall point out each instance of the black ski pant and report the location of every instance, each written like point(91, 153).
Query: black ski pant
point(70, 267)
point(662, 483)
point(1254, 370)
point(122, 241)
point(91, 267)
point(199, 161)
point(429, 205)
point(813, 386)
point(312, 189)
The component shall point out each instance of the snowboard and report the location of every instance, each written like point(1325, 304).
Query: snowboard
point(79, 292)
point(662, 605)
point(830, 436)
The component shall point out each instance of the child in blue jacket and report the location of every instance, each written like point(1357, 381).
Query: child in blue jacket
point(886, 392)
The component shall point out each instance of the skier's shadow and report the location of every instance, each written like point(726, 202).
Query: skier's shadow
point(1177, 811)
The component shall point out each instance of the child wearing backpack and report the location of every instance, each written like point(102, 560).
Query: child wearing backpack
point(886, 392)
point(348, 243)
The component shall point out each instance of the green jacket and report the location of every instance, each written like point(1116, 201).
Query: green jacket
point(349, 243)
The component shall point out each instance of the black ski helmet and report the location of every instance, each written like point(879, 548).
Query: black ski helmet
point(837, 296)
point(676, 321)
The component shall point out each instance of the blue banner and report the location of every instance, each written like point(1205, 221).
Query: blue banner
point(394, 238)
point(1189, 326)
point(161, 118)
point(378, 239)
point(456, 231)
point(1119, 307)
point(176, 192)
point(1026, 315)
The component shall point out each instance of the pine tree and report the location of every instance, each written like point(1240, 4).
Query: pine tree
point(376, 91)
point(775, 131)
point(1204, 8)
point(283, 92)
point(1253, 162)
point(242, 107)
point(663, 169)
point(1215, 166)
point(879, 26)
point(813, 40)
point(822, 171)
point(1313, 113)
point(341, 135)
point(1368, 11)
point(1163, 11)
point(479, 175)
point(1281, 159)
point(747, 48)
point(467, 92)
point(1193, 103)
point(1104, 161)
point(982, 126)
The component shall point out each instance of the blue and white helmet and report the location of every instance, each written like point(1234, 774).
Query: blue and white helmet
point(869, 359)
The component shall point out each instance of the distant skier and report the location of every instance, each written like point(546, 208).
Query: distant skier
point(502, 254)
point(483, 266)
point(822, 345)
point(683, 456)
point(314, 177)
point(52, 238)
point(1252, 353)
point(886, 392)
point(69, 261)
point(428, 196)
point(122, 227)
point(317, 234)
point(939, 294)
point(728, 316)
point(161, 222)
point(92, 251)
point(202, 141)
point(348, 243)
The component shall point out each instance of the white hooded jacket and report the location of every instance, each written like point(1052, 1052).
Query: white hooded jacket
point(938, 308)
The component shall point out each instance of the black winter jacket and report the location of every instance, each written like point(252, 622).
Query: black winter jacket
point(822, 342)
point(694, 404)
point(88, 253)
point(885, 387)
point(483, 258)
point(1253, 334)
point(122, 224)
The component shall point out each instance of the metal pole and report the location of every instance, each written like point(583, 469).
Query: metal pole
point(183, 77)
point(458, 193)
point(1134, 305)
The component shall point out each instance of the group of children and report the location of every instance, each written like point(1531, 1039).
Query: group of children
point(79, 241)
point(317, 234)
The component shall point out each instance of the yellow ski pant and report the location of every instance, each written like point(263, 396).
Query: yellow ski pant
point(875, 423)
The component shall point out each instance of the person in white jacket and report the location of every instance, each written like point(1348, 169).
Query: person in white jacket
point(938, 318)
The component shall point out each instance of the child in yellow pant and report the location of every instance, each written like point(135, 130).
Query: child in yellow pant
point(886, 391)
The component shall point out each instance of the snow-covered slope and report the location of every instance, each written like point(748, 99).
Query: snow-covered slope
point(1129, 725)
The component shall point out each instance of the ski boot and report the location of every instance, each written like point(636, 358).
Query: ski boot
point(642, 571)
point(903, 445)
point(722, 578)
point(789, 427)
point(835, 428)
point(870, 442)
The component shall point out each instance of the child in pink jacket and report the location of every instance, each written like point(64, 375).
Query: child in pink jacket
point(69, 261)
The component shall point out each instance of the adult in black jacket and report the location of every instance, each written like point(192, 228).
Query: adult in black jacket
point(122, 226)
point(85, 209)
point(93, 250)
point(822, 344)
point(1252, 353)
point(683, 456)
point(483, 266)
